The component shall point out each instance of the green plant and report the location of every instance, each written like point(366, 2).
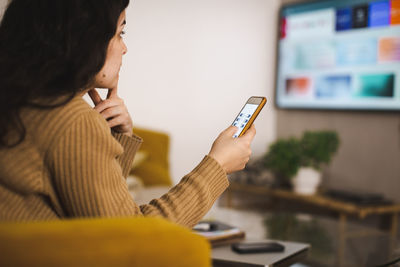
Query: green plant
point(286, 156)
point(318, 148)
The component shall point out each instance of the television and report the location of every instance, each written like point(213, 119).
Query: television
point(339, 54)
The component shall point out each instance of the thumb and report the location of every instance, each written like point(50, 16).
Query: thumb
point(231, 130)
point(250, 133)
point(112, 92)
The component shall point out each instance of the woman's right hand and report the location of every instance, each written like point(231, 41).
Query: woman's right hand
point(232, 153)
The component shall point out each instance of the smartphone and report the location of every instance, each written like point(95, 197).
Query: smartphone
point(258, 247)
point(248, 114)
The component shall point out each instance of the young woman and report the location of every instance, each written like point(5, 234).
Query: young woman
point(60, 158)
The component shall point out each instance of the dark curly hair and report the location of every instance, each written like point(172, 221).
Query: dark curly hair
point(48, 49)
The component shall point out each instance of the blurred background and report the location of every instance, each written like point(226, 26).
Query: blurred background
point(191, 65)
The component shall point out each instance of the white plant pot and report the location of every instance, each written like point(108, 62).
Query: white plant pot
point(306, 181)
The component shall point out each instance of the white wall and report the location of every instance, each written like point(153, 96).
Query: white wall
point(190, 67)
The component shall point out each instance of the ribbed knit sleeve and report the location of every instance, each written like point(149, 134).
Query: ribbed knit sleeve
point(189, 200)
point(130, 145)
point(87, 174)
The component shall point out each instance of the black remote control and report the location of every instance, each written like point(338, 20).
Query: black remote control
point(257, 247)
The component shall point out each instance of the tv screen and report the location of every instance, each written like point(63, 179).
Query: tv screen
point(341, 54)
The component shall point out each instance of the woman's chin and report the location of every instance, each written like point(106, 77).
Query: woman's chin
point(114, 83)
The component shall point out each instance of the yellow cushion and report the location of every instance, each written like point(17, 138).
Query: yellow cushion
point(154, 170)
point(102, 242)
point(140, 157)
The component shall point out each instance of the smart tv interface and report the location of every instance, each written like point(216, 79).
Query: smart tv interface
point(342, 54)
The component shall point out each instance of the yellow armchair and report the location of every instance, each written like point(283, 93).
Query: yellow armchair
point(154, 170)
point(102, 242)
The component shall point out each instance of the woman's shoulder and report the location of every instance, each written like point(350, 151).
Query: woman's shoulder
point(74, 110)
point(46, 126)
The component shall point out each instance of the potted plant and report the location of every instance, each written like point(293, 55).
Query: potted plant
point(299, 161)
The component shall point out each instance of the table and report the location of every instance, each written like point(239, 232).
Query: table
point(343, 209)
point(255, 231)
point(223, 256)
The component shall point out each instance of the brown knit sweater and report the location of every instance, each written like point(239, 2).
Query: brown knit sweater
point(71, 165)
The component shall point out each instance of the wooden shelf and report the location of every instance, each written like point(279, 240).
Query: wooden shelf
point(319, 200)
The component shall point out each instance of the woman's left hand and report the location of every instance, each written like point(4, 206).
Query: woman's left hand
point(113, 110)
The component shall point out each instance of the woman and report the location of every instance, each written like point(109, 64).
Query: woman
point(59, 158)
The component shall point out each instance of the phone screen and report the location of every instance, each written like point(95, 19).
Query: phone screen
point(244, 117)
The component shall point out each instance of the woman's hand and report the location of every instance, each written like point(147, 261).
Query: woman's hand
point(232, 153)
point(113, 110)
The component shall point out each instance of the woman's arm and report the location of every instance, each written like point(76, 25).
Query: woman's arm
point(89, 179)
point(130, 146)
point(188, 201)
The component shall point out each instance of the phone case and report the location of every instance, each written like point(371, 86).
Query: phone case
point(258, 247)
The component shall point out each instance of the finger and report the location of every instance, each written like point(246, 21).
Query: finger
point(250, 133)
point(111, 112)
point(112, 92)
point(94, 95)
point(117, 121)
point(108, 103)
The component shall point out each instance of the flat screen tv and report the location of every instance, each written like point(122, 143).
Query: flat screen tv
point(339, 54)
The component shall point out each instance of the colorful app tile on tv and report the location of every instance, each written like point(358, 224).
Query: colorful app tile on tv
point(343, 19)
point(375, 85)
point(299, 87)
point(379, 14)
point(389, 49)
point(395, 12)
point(333, 86)
point(356, 51)
point(360, 16)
